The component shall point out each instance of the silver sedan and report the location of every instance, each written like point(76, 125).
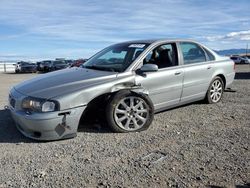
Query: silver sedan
point(130, 81)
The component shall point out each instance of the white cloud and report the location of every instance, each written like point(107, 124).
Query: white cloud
point(233, 36)
point(112, 21)
point(241, 35)
point(106, 22)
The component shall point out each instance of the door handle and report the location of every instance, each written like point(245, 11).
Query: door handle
point(209, 67)
point(177, 73)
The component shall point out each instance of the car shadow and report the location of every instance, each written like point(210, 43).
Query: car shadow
point(8, 130)
point(201, 102)
point(242, 75)
point(92, 123)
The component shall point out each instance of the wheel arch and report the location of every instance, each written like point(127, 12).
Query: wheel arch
point(223, 79)
point(101, 100)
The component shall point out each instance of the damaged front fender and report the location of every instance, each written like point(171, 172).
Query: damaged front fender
point(129, 86)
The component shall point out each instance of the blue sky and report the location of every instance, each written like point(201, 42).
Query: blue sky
point(32, 29)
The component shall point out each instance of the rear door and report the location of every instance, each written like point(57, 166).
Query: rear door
point(198, 71)
point(165, 85)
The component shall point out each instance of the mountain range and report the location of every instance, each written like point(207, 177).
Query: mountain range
point(233, 51)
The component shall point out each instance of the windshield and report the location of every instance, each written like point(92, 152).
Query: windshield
point(116, 58)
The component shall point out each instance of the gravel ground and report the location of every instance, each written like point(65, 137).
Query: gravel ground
point(197, 145)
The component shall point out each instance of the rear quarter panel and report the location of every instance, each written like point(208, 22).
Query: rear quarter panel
point(224, 66)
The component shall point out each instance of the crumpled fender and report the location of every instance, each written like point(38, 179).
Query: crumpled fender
point(129, 86)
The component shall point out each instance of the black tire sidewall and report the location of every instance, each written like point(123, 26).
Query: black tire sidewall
point(112, 105)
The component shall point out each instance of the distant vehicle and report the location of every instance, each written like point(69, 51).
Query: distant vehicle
point(240, 60)
point(129, 81)
point(55, 65)
point(245, 59)
point(41, 66)
point(48, 65)
point(236, 59)
point(78, 63)
point(69, 62)
point(23, 66)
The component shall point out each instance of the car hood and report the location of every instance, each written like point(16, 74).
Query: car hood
point(63, 82)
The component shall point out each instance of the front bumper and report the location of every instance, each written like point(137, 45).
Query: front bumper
point(44, 126)
point(50, 125)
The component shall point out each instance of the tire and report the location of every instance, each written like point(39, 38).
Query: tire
point(129, 112)
point(215, 91)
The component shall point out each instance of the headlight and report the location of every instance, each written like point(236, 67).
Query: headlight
point(39, 105)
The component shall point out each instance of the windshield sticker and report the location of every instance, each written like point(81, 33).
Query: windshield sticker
point(136, 45)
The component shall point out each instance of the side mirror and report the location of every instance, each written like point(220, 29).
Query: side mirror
point(149, 68)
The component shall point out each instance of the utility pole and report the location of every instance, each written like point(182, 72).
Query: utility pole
point(247, 49)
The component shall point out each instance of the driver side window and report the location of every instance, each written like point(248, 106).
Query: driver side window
point(163, 56)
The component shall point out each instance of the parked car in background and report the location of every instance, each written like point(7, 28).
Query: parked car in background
point(23, 66)
point(49, 65)
point(236, 59)
point(69, 62)
point(240, 59)
point(55, 65)
point(42, 66)
point(245, 59)
point(130, 81)
point(38, 64)
point(78, 62)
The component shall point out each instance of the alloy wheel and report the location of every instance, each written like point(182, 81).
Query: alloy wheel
point(131, 113)
point(216, 91)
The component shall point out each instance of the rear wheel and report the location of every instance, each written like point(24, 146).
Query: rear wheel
point(129, 112)
point(215, 90)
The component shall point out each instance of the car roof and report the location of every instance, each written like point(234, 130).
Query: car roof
point(151, 41)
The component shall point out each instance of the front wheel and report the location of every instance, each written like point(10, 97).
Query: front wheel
point(129, 112)
point(215, 90)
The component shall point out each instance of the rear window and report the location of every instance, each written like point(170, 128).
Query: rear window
point(192, 53)
point(210, 56)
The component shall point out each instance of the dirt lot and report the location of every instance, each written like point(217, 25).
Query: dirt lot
point(197, 145)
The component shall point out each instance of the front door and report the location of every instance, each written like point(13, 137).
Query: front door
point(165, 85)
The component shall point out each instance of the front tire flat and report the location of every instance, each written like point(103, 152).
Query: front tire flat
point(129, 112)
